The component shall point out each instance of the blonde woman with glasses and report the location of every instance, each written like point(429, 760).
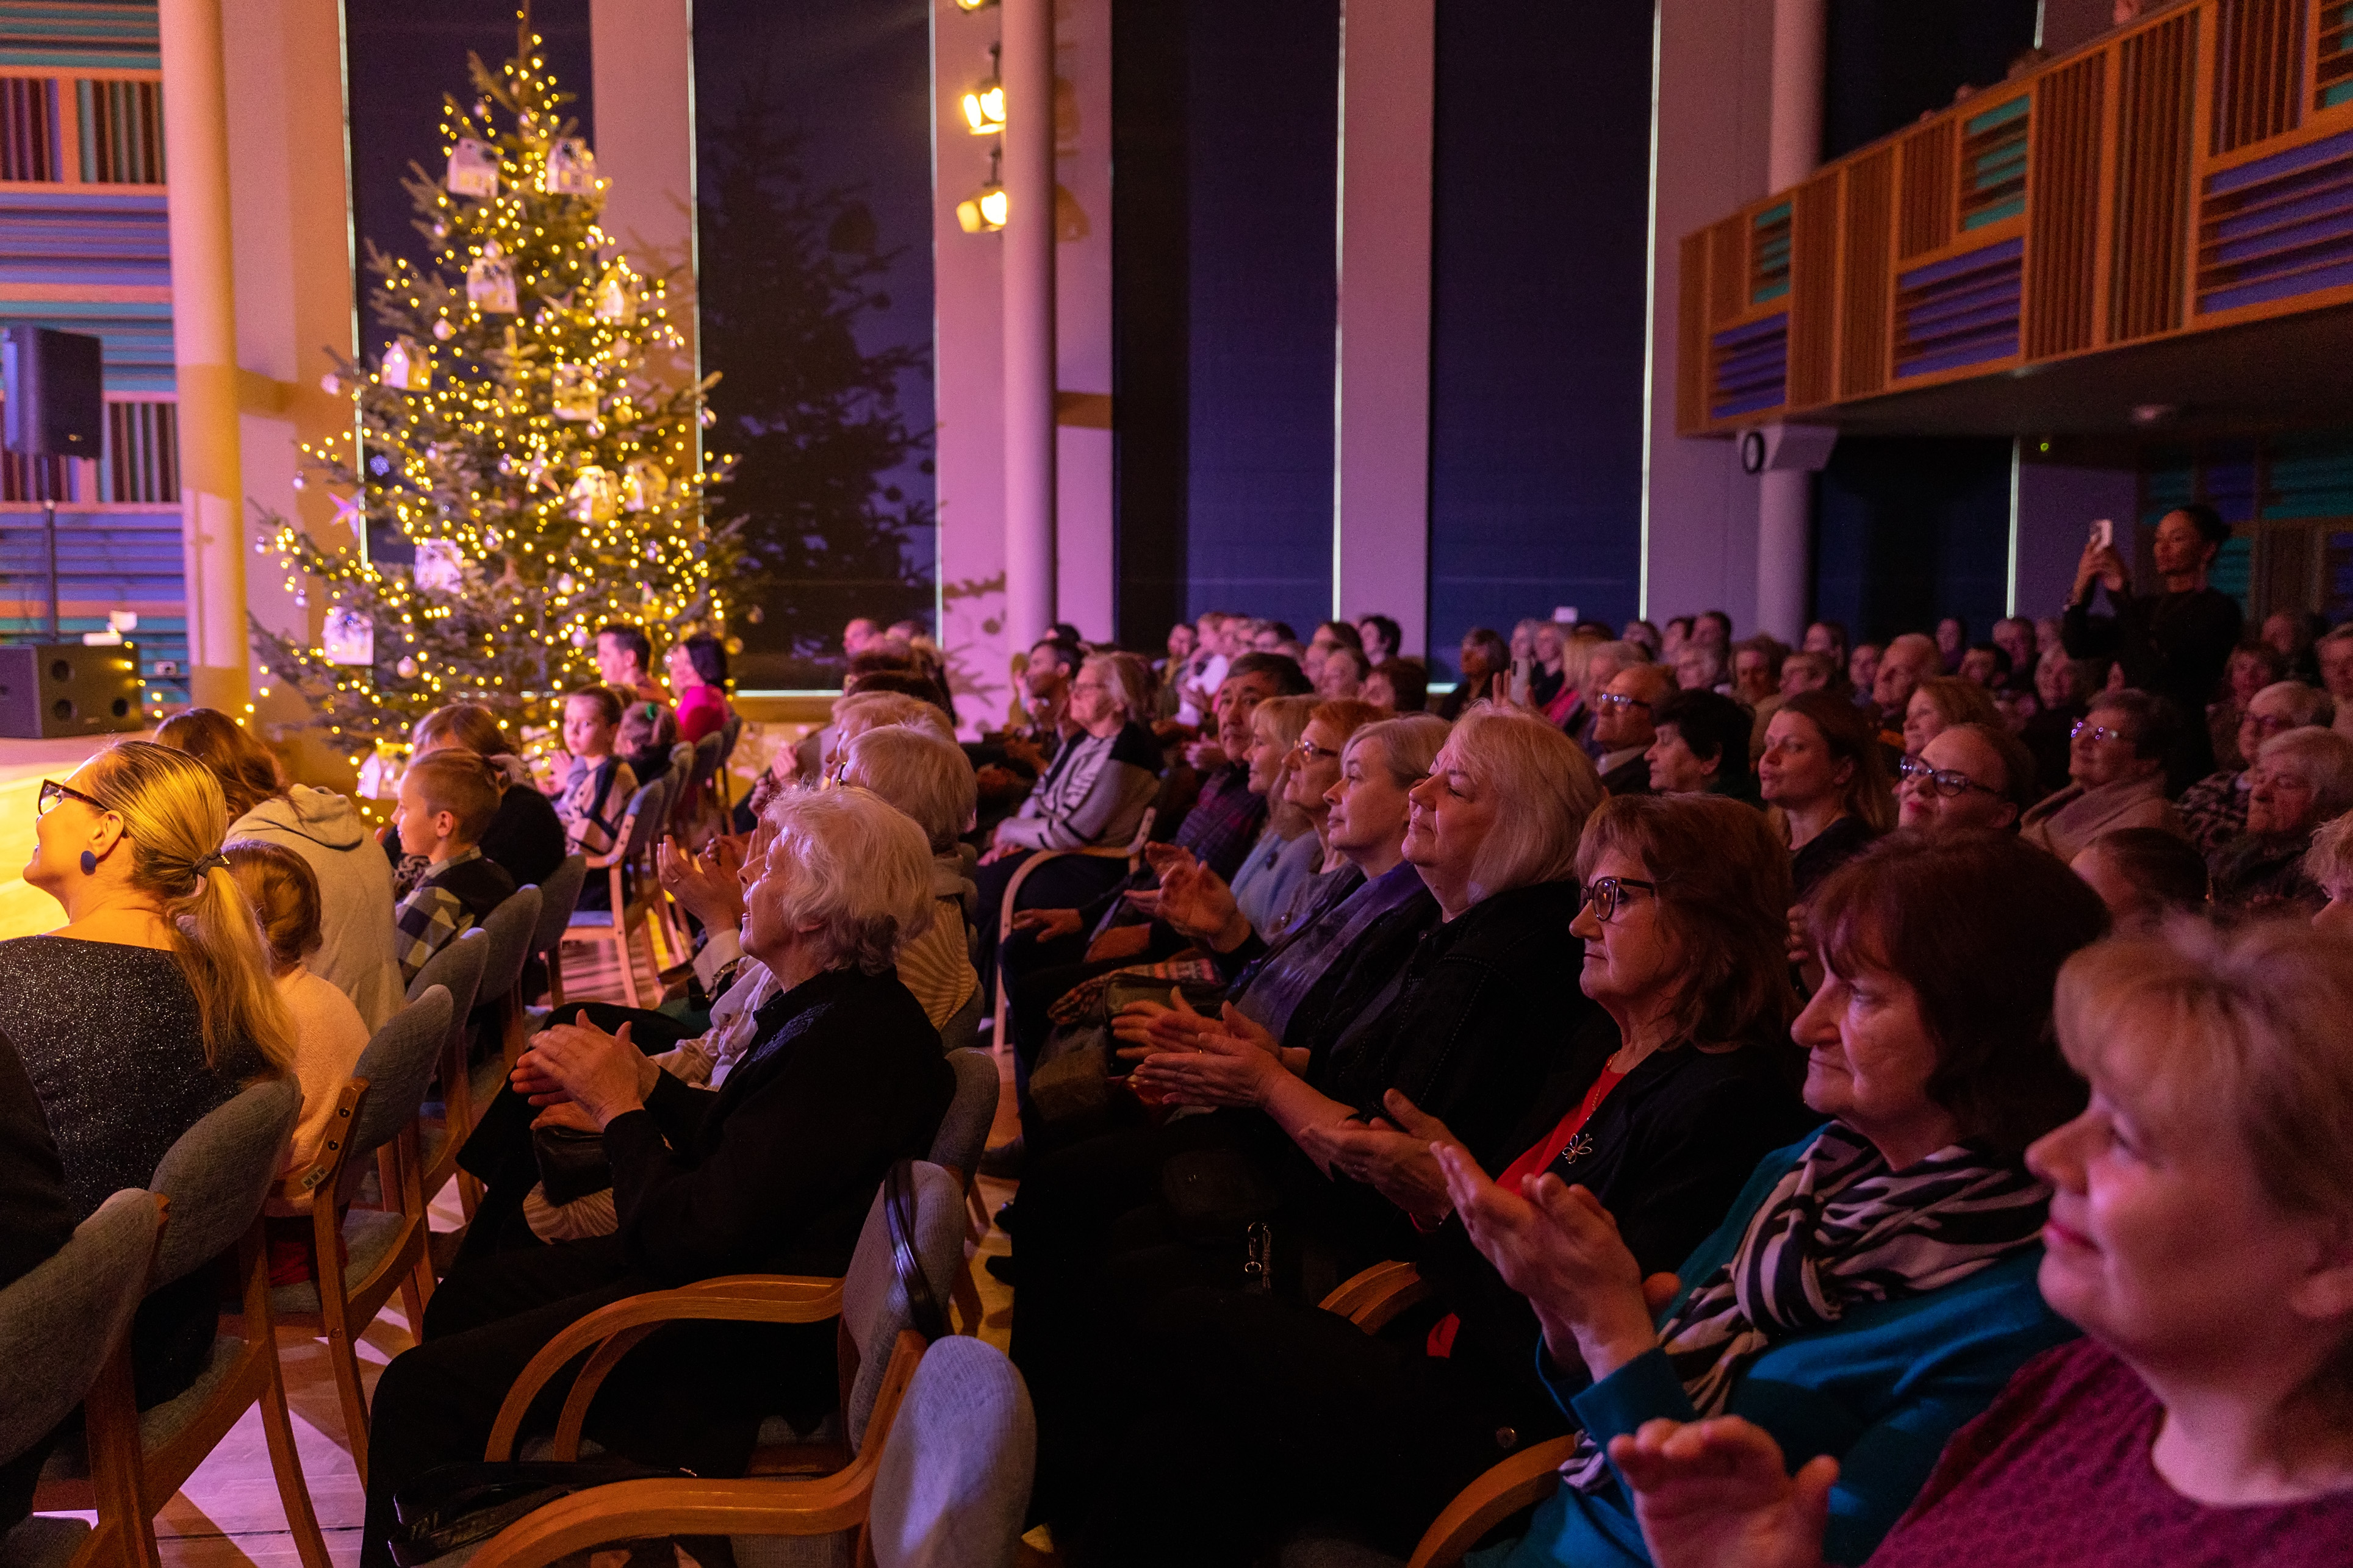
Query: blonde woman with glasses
point(150, 1007)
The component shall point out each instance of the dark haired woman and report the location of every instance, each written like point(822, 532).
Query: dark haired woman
point(1826, 778)
point(2175, 643)
point(698, 673)
point(1873, 1287)
point(1662, 1112)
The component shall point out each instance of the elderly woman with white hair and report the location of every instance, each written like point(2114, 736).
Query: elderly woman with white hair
point(931, 782)
point(771, 1174)
point(2300, 780)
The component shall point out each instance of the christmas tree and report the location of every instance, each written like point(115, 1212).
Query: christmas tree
point(526, 462)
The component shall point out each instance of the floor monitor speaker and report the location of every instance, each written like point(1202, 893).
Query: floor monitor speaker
point(51, 690)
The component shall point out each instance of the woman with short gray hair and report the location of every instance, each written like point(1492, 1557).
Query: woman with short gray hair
point(931, 782)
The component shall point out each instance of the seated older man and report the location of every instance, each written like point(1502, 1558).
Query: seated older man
point(2302, 779)
point(2214, 809)
point(772, 1173)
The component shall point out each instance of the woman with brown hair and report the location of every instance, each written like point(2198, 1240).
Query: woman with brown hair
point(2197, 1238)
point(1824, 776)
point(149, 1008)
point(1873, 1287)
point(355, 893)
point(1662, 1116)
point(1942, 701)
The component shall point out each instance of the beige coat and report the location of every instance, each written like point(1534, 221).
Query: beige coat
point(2066, 822)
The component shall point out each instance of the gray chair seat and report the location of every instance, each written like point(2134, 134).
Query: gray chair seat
point(44, 1541)
point(592, 918)
point(368, 1235)
point(165, 1421)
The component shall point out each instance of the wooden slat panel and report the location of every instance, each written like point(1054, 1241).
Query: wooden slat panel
point(2061, 234)
point(1865, 275)
point(1813, 291)
point(1728, 270)
point(1927, 221)
point(2150, 248)
point(2258, 70)
point(1691, 335)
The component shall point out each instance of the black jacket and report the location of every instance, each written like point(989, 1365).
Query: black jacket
point(527, 838)
point(36, 1217)
point(1630, 777)
point(773, 1173)
point(1666, 1153)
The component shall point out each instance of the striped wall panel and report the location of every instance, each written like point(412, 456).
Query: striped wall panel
point(106, 237)
point(113, 561)
point(2277, 227)
point(1691, 332)
point(2155, 72)
point(2062, 225)
point(136, 335)
point(1749, 367)
point(1866, 273)
point(1924, 221)
point(2258, 71)
point(67, 36)
point(1960, 311)
point(1813, 333)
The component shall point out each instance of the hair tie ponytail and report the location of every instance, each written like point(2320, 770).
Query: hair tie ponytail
point(211, 861)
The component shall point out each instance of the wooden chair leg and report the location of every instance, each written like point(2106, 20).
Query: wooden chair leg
point(343, 1359)
point(284, 1458)
point(556, 974)
point(627, 961)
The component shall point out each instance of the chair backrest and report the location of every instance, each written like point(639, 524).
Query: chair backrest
point(648, 816)
point(729, 733)
point(961, 1029)
point(558, 896)
point(58, 1322)
point(873, 1306)
point(509, 931)
point(457, 969)
point(219, 1171)
point(398, 1065)
point(706, 758)
point(954, 1483)
point(964, 1131)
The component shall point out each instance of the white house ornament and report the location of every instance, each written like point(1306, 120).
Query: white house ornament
point(594, 494)
point(572, 391)
point(473, 169)
point(491, 282)
point(616, 301)
point(347, 638)
point(571, 168)
point(439, 566)
point(405, 366)
point(643, 485)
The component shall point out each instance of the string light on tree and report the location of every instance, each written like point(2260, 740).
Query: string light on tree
point(526, 463)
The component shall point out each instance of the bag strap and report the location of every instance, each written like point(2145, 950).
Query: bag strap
point(899, 1218)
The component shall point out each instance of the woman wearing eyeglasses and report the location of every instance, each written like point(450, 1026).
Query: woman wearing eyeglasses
point(2116, 761)
point(150, 1007)
point(1661, 1113)
point(1970, 776)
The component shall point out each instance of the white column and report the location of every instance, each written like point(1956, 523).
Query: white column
point(1380, 481)
point(642, 76)
point(204, 348)
point(1026, 69)
point(1784, 498)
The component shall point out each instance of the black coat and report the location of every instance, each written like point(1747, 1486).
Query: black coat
point(772, 1174)
point(527, 838)
point(1630, 777)
point(1666, 1153)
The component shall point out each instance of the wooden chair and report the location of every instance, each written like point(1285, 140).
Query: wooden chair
point(1370, 1300)
point(794, 1487)
point(729, 733)
point(558, 896)
point(956, 1148)
point(363, 1255)
point(628, 881)
point(457, 969)
point(63, 1327)
point(1133, 855)
point(214, 1178)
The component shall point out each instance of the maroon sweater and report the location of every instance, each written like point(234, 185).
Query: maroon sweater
point(2057, 1475)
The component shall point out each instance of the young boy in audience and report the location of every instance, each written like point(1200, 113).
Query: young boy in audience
point(447, 801)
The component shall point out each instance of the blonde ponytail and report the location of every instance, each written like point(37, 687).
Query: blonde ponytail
point(175, 817)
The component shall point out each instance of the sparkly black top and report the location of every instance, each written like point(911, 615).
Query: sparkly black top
point(110, 1036)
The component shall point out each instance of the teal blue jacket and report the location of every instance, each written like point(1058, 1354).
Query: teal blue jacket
point(1882, 1389)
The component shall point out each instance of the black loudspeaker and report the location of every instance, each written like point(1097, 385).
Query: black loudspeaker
point(49, 690)
point(56, 385)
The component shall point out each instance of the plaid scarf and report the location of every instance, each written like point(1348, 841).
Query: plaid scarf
point(1840, 1228)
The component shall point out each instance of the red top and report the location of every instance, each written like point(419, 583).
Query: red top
point(2057, 1475)
point(701, 711)
point(1442, 1333)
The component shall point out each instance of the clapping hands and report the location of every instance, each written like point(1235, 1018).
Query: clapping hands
point(1232, 1061)
point(1391, 1155)
point(1714, 1494)
point(1193, 899)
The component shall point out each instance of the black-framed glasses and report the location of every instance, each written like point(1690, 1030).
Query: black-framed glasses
point(1619, 700)
point(1946, 782)
point(53, 792)
point(1606, 894)
point(2085, 730)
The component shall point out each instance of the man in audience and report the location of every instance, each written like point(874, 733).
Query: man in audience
point(1756, 670)
point(1986, 664)
point(2014, 635)
point(1384, 638)
point(857, 635)
point(625, 660)
point(2335, 654)
point(1624, 727)
point(2214, 809)
point(1602, 666)
point(1826, 637)
point(1909, 660)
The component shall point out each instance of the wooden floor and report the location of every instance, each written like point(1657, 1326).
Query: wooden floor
point(229, 1512)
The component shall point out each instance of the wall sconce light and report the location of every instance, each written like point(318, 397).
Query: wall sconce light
point(984, 101)
point(982, 212)
point(973, 4)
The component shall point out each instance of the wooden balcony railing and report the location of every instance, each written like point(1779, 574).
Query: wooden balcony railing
point(2189, 172)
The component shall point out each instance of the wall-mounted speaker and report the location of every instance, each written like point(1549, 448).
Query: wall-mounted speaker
point(56, 406)
point(49, 690)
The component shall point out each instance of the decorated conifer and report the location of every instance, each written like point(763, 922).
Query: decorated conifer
point(526, 463)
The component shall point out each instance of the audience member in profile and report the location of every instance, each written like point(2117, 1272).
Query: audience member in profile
point(2145, 876)
point(2302, 779)
point(1625, 724)
point(1699, 745)
point(625, 661)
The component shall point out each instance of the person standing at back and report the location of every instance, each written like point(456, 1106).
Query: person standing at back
point(2174, 643)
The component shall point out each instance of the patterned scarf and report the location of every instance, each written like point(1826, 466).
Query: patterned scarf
point(1840, 1228)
